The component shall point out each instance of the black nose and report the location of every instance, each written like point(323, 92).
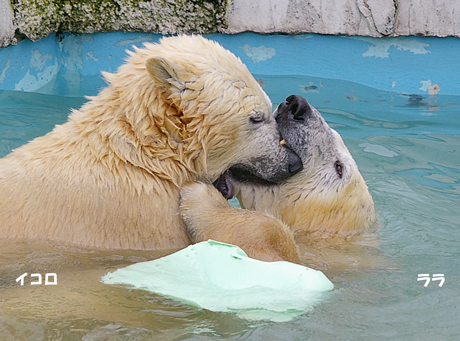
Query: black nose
point(295, 164)
point(296, 106)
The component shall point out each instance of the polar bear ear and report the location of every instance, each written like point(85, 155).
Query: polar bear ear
point(167, 73)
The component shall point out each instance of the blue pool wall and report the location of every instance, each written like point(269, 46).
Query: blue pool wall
point(70, 64)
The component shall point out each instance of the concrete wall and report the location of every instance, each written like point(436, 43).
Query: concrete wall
point(35, 19)
point(376, 18)
point(6, 24)
point(71, 65)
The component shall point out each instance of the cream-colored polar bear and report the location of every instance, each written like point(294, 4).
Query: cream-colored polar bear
point(182, 110)
point(327, 199)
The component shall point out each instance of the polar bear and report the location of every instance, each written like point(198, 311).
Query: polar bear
point(181, 110)
point(329, 197)
point(328, 201)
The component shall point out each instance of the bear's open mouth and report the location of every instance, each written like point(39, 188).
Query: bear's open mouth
point(224, 185)
point(242, 174)
point(224, 182)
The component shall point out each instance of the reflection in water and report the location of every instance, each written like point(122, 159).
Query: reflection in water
point(80, 304)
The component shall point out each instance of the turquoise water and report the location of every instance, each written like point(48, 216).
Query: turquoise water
point(408, 150)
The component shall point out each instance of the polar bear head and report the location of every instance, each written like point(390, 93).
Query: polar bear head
point(329, 196)
point(193, 107)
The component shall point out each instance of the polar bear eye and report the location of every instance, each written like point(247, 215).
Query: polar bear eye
point(339, 168)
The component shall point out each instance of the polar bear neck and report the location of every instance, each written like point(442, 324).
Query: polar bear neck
point(322, 212)
point(261, 198)
point(311, 209)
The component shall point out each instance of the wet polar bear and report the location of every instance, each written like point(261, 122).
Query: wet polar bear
point(327, 199)
point(182, 110)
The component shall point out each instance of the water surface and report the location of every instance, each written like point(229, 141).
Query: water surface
point(408, 150)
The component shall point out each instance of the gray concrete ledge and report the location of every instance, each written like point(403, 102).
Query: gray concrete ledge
point(36, 19)
point(376, 18)
point(6, 24)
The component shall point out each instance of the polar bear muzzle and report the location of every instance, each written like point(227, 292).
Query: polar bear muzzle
point(304, 128)
point(260, 170)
